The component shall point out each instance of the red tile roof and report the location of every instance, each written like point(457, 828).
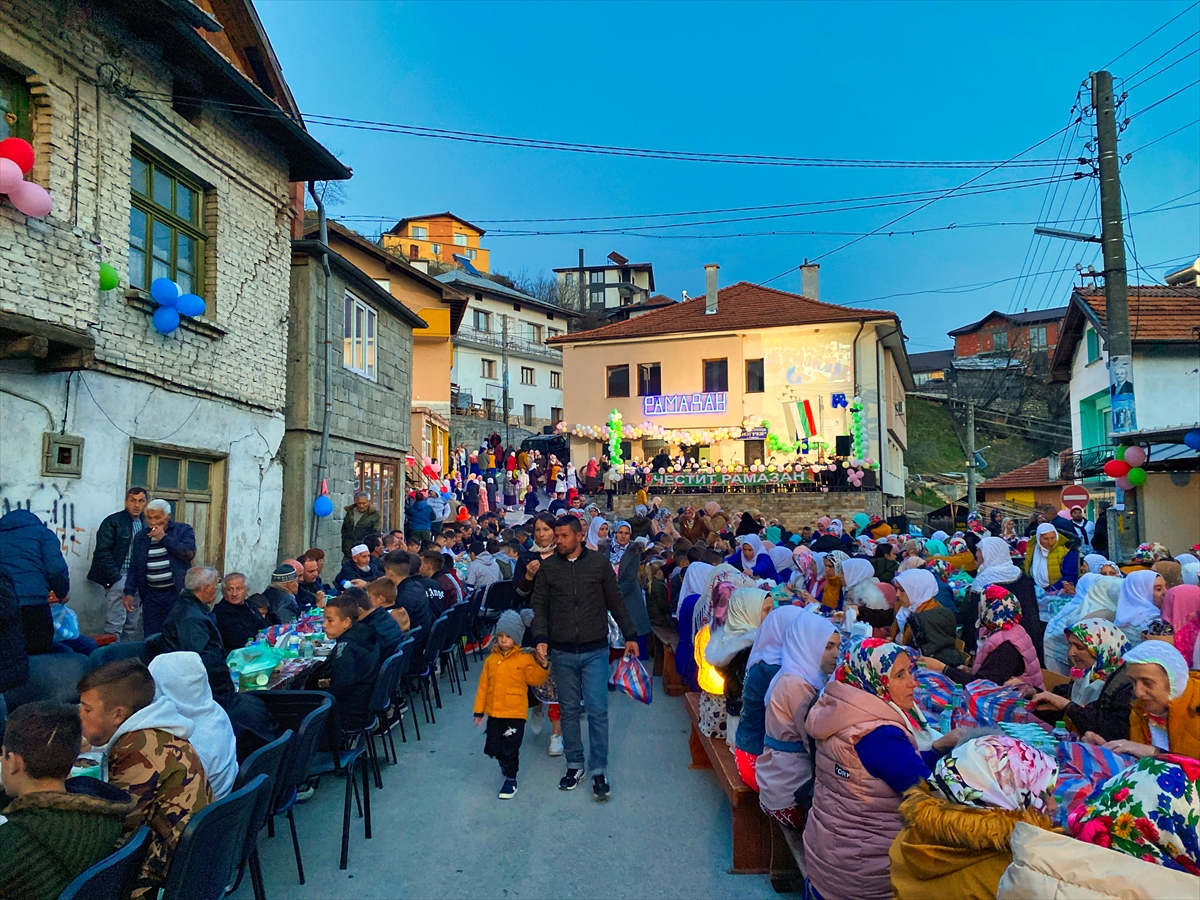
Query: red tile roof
point(1036, 474)
point(740, 307)
point(1156, 312)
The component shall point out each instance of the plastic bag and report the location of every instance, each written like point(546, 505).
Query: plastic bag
point(616, 640)
point(630, 676)
point(66, 623)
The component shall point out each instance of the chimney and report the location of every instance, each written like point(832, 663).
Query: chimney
point(710, 289)
point(810, 280)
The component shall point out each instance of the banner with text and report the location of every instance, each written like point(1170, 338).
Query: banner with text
point(718, 479)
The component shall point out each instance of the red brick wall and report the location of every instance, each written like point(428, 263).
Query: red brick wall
point(966, 344)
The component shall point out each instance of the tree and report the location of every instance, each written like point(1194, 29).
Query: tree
point(543, 287)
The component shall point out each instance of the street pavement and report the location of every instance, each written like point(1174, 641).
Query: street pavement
point(440, 831)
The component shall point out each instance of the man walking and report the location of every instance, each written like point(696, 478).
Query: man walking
point(573, 594)
point(110, 563)
point(160, 557)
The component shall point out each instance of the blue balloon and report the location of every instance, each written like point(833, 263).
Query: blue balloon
point(1192, 438)
point(164, 291)
point(323, 506)
point(190, 305)
point(166, 320)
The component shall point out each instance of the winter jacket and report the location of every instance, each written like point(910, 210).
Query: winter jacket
point(855, 816)
point(180, 541)
point(420, 597)
point(948, 849)
point(1183, 720)
point(351, 572)
point(282, 607)
point(1025, 591)
point(933, 630)
point(571, 600)
point(52, 836)
point(352, 669)
point(389, 633)
point(482, 571)
point(190, 625)
point(785, 766)
point(1019, 638)
point(1061, 566)
point(658, 604)
point(631, 589)
point(752, 725)
point(14, 663)
point(113, 538)
point(354, 533)
point(885, 569)
point(238, 623)
point(420, 517)
point(32, 557)
point(1109, 714)
point(505, 681)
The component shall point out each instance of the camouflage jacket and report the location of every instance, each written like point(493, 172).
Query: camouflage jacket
point(166, 779)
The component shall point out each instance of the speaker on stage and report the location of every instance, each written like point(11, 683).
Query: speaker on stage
point(842, 445)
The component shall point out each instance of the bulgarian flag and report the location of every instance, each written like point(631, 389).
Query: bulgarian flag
point(800, 417)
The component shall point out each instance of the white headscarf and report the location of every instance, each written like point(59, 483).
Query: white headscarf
point(1189, 567)
point(593, 535)
point(997, 565)
point(938, 536)
point(1165, 655)
point(855, 570)
point(692, 583)
point(768, 645)
point(781, 558)
point(1100, 597)
point(740, 628)
point(759, 550)
point(1136, 607)
point(803, 645)
point(919, 584)
point(181, 678)
point(1096, 562)
point(1039, 571)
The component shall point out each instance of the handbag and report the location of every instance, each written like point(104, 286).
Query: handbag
point(630, 676)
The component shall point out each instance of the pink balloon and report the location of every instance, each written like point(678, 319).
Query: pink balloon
point(10, 175)
point(31, 199)
point(1124, 483)
point(1135, 456)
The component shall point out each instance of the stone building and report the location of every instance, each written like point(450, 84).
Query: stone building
point(130, 108)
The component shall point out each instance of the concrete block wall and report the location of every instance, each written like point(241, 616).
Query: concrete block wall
point(473, 432)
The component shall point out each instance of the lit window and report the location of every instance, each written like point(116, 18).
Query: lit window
point(420, 232)
point(358, 337)
point(556, 381)
point(488, 369)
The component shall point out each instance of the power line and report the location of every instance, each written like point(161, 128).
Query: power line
point(1163, 138)
point(1162, 101)
point(1157, 58)
point(1150, 35)
point(1167, 68)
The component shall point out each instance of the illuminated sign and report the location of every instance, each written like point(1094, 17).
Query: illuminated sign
point(681, 404)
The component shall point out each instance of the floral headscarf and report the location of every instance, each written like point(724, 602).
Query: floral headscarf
point(999, 610)
point(835, 527)
point(1108, 645)
point(1150, 811)
point(997, 772)
point(1148, 554)
point(940, 569)
point(956, 545)
point(805, 565)
point(867, 666)
point(835, 558)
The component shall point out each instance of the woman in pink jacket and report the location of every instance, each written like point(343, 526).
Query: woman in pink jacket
point(873, 744)
point(1005, 647)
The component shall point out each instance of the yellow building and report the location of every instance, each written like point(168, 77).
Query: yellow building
point(742, 358)
point(437, 238)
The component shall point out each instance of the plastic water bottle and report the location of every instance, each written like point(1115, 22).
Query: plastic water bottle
point(306, 649)
point(293, 644)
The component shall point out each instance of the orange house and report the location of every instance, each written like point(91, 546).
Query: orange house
point(437, 238)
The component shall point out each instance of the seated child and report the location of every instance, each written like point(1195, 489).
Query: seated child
point(350, 671)
point(50, 835)
point(381, 597)
point(508, 673)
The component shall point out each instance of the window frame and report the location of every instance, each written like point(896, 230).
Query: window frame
point(20, 107)
point(708, 386)
point(211, 536)
point(648, 373)
point(529, 376)
point(460, 240)
point(154, 212)
point(530, 413)
point(487, 369)
point(360, 327)
point(609, 371)
point(555, 380)
point(1092, 345)
point(1044, 332)
point(1000, 341)
point(418, 232)
point(482, 315)
point(760, 377)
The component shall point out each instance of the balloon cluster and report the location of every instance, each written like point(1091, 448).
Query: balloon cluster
point(653, 431)
point(1126, 469)
point(430, 468)
point(856, 426)
point(16, 161)
point(173, 303)
point(614, 437)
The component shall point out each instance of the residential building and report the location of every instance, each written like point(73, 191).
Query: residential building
point(740, 355)
point(438, 238)
point(1024, 340)
point(932, 369)
point(151, 172)
point(1166, 380)
point(502, 322)
point(598, 289)
point(1024, 490)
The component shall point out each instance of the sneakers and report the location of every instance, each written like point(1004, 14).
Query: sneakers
point(571, 780)
point(509, 789)
point(600, 788)
point(556, 745)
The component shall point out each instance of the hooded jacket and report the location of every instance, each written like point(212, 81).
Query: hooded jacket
point(31, 556)
point(504, 683)
point(483, 570)
point(947, 849)
point(420, 517)
point(352, 668)
point(354, 533)
point(52, 836)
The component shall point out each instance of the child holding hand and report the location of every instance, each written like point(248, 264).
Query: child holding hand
point(502, 696)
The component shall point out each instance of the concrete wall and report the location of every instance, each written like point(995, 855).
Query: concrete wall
point(473, 432)
point(794, 510)
point(1169, 505)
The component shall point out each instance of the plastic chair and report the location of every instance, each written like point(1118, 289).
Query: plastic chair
point(127, 650)
point(428, 676)
point(115, 876)
point(53, 677)
point(411, 670)
point(381, 701)
point(343, 761)
point(212, 844)
point(447, 657)
point(266, 760)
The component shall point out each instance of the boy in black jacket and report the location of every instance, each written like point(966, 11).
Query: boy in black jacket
point(351, 669)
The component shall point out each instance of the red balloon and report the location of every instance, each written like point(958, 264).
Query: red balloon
point(19, 151)
point(1116, 468)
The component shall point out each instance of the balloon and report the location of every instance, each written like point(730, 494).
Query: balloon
point(31, 199)
point(1192, 438)
point(323, 506)
point(109, 278)
point(1116, 468)
point(190, 305)
point(1135, 455)
point(165, 292)
point(166, 320)
point(1137, 477)
point(436, 466)
point(1124, 483)
point(19, 151)
point(10, 175)
point(1120, 454)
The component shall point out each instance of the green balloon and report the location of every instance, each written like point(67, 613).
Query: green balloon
point(1120, 454)
point(1137, 477)
point(109, 278)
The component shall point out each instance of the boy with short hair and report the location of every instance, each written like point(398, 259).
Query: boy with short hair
point(508, 673)
point(50, 835)
point(350, 671)
point(381, 597)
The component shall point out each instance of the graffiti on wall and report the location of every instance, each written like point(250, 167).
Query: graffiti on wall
point(50, 504)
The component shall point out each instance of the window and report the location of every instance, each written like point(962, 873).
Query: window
point(437, 250)
point(556, 414)
point(533, 332)
point(470, 254)
point(556, 381)
point(358, 337)
point(530, 413)
point(755, 383)
point(379, 477)
point(1037, 337)
point(597, 298)
point(483, 320)
point(596, 277)
point(1093, 345)
point(385, 283)
point(14, 106)
point(1000, 340)
point(489, 407)
point(569, 279)
point(420, 232)
point(755, 451)
point(488, 368)
point(618, 381)
point(460, 240)
point(194, 486)
point(165, 236)
point(716, 375)
point(528, 375)
point(552, 333)
point(649, 380)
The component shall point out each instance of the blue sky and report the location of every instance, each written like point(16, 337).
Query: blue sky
point(905, 81)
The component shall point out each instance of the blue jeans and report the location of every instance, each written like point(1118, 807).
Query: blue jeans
point(583, 676)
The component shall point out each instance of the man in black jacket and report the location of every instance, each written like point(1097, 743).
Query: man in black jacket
point(237, 620)
point(110, 563)
point(350, 671)
point(574, 593)
point(417, 596)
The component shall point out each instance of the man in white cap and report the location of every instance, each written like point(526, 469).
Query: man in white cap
point(360, 569)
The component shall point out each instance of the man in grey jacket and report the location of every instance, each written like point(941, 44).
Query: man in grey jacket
point(573, 594)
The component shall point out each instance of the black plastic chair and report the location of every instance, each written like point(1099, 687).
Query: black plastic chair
point(119, 650)
point(412, 668)
point(212, 844)
point(428, 675)
point(115, 876)
point(53, 677)
point(447, 656)
point(266, 760)
point(342, 761)
point(381, 702)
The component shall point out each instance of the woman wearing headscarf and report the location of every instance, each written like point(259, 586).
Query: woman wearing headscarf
point(929, 626)
point(597, 534)
point(885, 562)
point(873, 744)
point(694, 578)
point(1181, 607)
point(995, 566)
point(808, 657)
point(1049, 561)
point(782, 561)
point(729, 644)
point(957, 828)
point(691, 526)
point(1099, 564)
point(958, 555)
point(864, 592)
point(1145, 556)
point(1166, 711)
point(1142, 595)
point(765, 658)
point(751, 557)
point(831, 596)
point(1005, 651)
point(747, 525)
point(805, 581)
point(1170, 570)
point(1054, 642)
point(826, 540)
point(626, 558)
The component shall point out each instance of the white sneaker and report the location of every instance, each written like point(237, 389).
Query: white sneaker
point(556, 745)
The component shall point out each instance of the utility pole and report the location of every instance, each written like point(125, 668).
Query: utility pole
point(1116, 288)
point(504, 368)
point(970, 456)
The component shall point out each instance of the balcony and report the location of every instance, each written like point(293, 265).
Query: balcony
point(1086, 463)
point(488, 340)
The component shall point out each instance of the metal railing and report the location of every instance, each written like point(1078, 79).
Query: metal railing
point(516, 343)
point(1086, 463)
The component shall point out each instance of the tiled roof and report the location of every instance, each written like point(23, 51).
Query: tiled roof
point(1156, 312)
point(399, 226)
point(930, 361)
point(1036, 474)
point(1021, 318)
point(740, 307)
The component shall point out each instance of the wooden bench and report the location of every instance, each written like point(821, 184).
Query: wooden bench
point(663, 642)
point(787, 859)
point(751, 826)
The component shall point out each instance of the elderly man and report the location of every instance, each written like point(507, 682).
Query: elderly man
point(282, 605)
point(158, 560)
point(110, 562)
point(362, 518)
point(238, 621)
point(361, 567)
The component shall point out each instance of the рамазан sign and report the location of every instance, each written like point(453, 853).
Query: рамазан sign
point(682, 404)
point(718, 479)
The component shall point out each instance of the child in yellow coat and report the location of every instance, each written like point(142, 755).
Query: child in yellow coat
point(502, 696)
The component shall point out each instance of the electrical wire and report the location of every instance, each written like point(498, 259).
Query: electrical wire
point(1163, 138)
point(1151, 34)
point(1160, 102)
point(1157, 58)
point(1134, 87)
